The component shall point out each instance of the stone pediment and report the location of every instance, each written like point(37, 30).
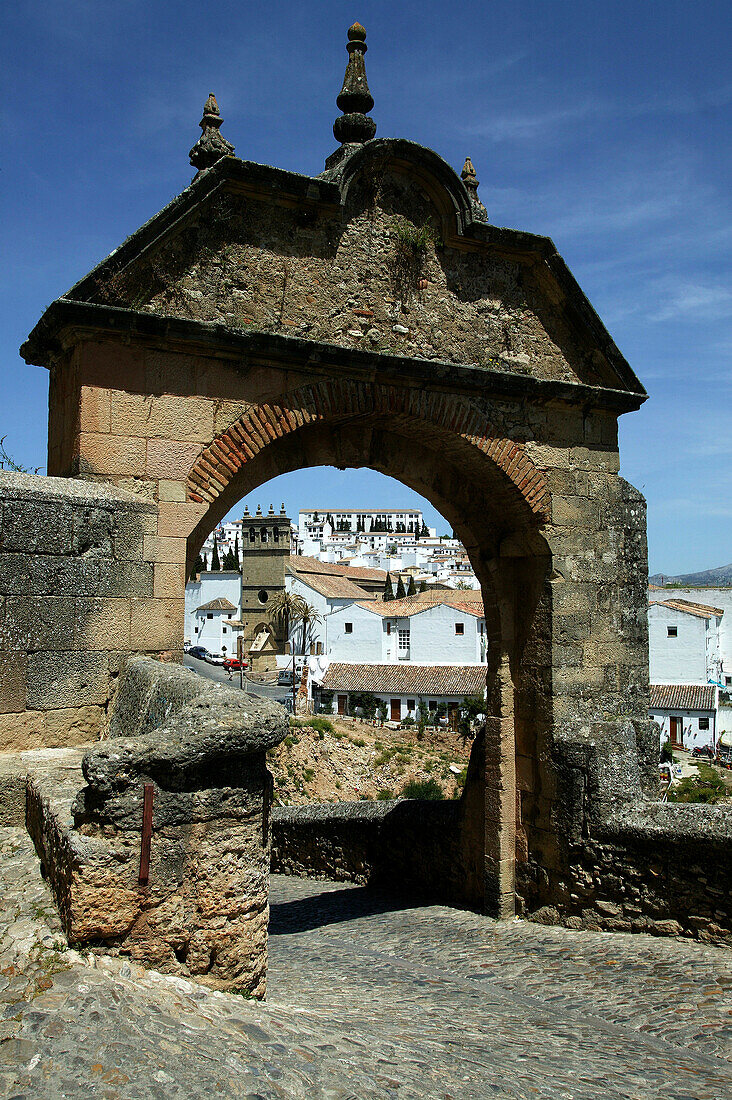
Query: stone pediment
point(387, 252)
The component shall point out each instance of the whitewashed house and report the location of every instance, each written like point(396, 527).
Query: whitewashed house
point(206, 625)
point(404, 689)
point(684, 642)
point(686, 713)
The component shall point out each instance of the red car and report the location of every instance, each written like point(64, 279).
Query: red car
point(233, 664)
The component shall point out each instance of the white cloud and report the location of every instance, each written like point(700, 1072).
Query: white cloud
point(696, 301)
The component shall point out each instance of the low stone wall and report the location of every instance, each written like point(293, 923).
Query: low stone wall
point(660, 868)
point(403, 844)
point(77, 595)
point(204, 910)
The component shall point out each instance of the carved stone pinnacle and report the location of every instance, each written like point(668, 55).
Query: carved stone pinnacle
point(471, 182)
point(211, 146)
point(355, 99)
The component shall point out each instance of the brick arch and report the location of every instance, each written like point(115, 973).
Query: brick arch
point(331, 400)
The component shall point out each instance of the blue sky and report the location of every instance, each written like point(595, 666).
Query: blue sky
point(604, 126)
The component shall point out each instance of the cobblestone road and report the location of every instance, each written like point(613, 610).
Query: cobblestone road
point(367, 998)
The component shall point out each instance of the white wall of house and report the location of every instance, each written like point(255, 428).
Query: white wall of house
point(212, 630)
point(362, 643)
point(680, 657)
point(712, 597)
point(693, 723)
point(207, 587)
point(404, 705)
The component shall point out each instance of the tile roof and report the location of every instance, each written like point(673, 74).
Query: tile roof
point(683, 696)
point(406, 678)
point(219, 604)
point(469, 601)
point(300, 563)
point(334, 587)
point(701, 610)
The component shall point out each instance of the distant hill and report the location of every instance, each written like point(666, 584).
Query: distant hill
point(721, 577)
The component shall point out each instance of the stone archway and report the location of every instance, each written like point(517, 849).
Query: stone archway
point(226, 342)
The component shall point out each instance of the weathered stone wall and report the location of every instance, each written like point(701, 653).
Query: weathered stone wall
point(204, 910)
point(76, 597)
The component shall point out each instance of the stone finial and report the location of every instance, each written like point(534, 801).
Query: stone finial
point(259, 510)
point(211, 146)
point(246, 509)
point(282, 509)
point(471, 182)
point(355, 99)
point(271, 510)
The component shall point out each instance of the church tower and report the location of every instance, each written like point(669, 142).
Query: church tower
point(265, 551)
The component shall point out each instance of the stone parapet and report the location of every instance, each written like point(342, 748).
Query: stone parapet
point(202, 911)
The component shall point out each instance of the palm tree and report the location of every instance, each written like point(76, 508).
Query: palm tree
point(307, 617)
point(288, 607)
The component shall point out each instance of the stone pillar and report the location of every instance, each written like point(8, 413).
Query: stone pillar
point(500, 798)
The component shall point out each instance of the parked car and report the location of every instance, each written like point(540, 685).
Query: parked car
point(198, 651)
point(284, 677)
point(233, 664)
point(215, 658)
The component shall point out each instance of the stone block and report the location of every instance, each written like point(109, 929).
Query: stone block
point(170, 580)
point(164, 549)
point(109, 364)
point(58, 680)
point(47, 729)
point(37, 622)
point(95, 409)
point(93, 531)
point(171, 490)
point(12, 682)
point(124, 578)
point(178, 520)
point(36, 526)
point(156, 625)
point(183, 418)
point(170, 458)
point(101, 624)
point(112, 455)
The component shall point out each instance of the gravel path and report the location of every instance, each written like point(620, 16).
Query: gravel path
point(368, 998)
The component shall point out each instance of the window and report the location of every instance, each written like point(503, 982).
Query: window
point(410, 704)
point(349, 628)
point(403, 643)
point(432, 704)
point(209, 614)
point(223, 629)
point(459, 628)
point(264, 534)
point(388, 628)
point(276, 534)
point(703, 723)
point(252, 534)
point(673, 631)
point(262, 595)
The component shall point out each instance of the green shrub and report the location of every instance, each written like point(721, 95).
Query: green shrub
point(423, 788)
point(384, 794)
point(322, 725)
point(308, 775)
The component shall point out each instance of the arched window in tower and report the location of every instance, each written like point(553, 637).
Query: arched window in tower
point(275, 534)
point(264, 534)
point(252, 534)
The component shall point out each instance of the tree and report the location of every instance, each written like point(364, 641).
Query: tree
point(307, 619)
point(215, 563)
point(463, 585)
point(236, 550)
point(388, 590)
point(470, 712)
point(400, 592)
point(412, 589)
point(7, 462)
point(288, 607)
point(200, 566)
point(423, 585)
point(231, 561)
point(424, 533)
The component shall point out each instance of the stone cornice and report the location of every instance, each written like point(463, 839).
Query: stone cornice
point(67, 322)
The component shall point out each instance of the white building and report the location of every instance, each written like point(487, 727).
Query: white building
point(684, 642)
point(209, 625)
point(404, 688)
point(316, 522)
point(686, 714)
point(431, 628)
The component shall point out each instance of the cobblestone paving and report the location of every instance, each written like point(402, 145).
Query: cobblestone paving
point(368, 998)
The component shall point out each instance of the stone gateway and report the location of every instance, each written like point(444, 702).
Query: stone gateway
point(372, 316)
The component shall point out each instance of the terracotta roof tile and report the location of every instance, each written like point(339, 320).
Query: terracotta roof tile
point(334, 587)
point(682, 696)
point(219, 604)
point(405, 678)
point(468, 602)
point(300, 563)
point(701, 610)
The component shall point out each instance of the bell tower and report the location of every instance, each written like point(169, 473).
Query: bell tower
point(265, 550)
